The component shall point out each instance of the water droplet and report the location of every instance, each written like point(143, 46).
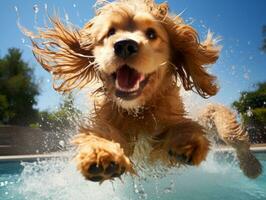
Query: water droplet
point(66, 17)
point(16, 8)
point(246, 76)
point(249, 112)
point(74, 5)
point(62, 143)
point(35, 8)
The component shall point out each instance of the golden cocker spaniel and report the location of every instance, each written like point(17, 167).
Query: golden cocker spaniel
point(138, 52)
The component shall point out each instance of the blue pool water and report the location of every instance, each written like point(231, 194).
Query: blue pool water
point(219, 178)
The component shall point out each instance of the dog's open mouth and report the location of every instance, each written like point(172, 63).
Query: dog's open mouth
point(128, 82)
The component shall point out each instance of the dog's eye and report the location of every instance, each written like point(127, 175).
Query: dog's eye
point(151, 34)
point(111, 32)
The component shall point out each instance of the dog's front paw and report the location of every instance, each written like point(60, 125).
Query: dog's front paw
point(193, 152)
point(99, 159)
point(98, 173)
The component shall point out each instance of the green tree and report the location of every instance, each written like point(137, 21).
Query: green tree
point(18, 90)
point(64, 118)
point(252, 108)
point(59, 124)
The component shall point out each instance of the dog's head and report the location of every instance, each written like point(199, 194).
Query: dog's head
point(134, 47)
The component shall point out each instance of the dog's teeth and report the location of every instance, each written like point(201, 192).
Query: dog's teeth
point(135, 88)
point(118, 86)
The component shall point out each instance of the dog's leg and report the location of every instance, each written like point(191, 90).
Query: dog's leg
point(99, 159)
point(223, 121)
point(183, 143)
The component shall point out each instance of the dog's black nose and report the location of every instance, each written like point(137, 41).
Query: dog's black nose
point(126, 48)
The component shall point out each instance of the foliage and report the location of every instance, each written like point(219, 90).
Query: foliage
point(259, 115)
point(252, 108)
point(252, 100)
point(65, 117)
point(18, 90)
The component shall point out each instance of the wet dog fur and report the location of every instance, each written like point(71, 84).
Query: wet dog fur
point(139, 90)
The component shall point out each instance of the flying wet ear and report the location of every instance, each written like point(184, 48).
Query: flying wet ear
point(190, 57)
point(60, 51)
point(191, 60)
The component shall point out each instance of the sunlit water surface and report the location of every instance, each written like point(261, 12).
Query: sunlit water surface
point(57, 179)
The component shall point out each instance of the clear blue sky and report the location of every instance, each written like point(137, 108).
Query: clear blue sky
point(238, 22)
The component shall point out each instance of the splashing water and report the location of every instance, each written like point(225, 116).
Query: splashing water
point(17, 14)
point(66, 17)
point(249, 112)
point(58, 179)
point(23, 40)
point(35, 10)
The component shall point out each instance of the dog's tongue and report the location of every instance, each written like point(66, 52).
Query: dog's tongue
point(127, 77)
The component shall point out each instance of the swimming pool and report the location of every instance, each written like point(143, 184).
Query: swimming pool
point(57, 179)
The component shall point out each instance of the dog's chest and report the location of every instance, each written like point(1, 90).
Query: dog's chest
point(142, 148)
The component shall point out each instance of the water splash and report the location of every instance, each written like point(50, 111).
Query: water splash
point(17, 15)
point(249, 112)
point(23, 40)
point(218, 177)
point(66, 17)
point(35, 10)
point(169, 188)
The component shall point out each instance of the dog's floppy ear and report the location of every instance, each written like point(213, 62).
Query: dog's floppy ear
point(60, 51)
point(189, 57)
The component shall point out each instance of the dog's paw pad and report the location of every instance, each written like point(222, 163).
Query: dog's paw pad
point(97, 173)
point(96, 178)
point(111, 169)
point(119, 172)
point(95, 169)
point(99, 159)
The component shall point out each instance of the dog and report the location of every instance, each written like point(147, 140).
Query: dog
point(141, 55)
